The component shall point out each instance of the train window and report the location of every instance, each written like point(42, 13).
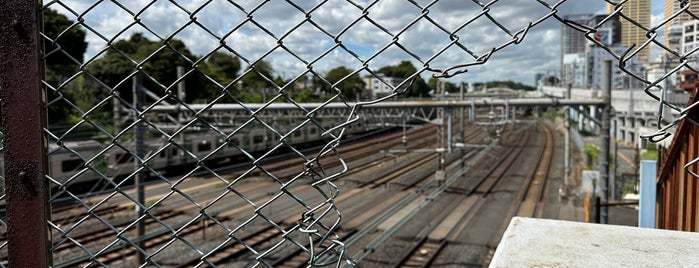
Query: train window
point(70, 165)
point(124, 158)
point(163, 154)
point(258, 139)
point(204, 146)
point(297, 133)
point(233, 142)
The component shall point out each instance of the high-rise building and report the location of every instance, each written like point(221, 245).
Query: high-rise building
point(673, 29)
point(573, 41)
point(574, 44)
point(596, 55)
point(640, 12)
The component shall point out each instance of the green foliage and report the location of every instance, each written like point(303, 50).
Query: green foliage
point(305, 95)
point(249, 97)
point(221, 67)
point(586, 133)
point(552, 114)
point(629, 187)
point(257, 83)
point(61, 64)
point(156, 59)
point(649, 155)
point(350, 85)
point(404, 70)
point(257, 75)
point(591, 155)
point(508, 84)
point(66, 36)
point(433, 82)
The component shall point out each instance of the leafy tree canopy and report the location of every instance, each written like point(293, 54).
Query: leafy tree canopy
point(64, 47)
point(350, 85)
point(220, 67)
point(508, 84)
point(258, 74)
point(65, 38)
point(214, 76)
point(434, 82)
point(156, 59)
point(404, 70)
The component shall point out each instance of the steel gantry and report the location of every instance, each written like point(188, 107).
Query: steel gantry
point(420, 109)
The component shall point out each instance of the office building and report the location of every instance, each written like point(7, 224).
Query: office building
point(640, 12)
point(673, 29)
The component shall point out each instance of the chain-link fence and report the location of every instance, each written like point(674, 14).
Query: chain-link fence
point(134, 183)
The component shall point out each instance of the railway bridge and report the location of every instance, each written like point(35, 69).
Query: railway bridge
point(633, 110)
point(384, 113)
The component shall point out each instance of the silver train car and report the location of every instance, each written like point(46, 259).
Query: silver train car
point(76, 162)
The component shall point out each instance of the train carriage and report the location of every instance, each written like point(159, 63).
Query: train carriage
point(74, 162)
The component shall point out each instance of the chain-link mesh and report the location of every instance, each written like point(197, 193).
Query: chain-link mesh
point(191, 186)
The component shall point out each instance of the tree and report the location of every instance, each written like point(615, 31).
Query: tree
point(256, 83)
point(508, 84)
point(65, 51)
point(350, 85)
point(305, 95)
point(221, 67)
point(404, 70)
point(257, 75)
point(158, 61)
point(434, 82)
point(71, 42)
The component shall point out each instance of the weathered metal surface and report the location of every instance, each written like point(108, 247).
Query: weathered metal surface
point(677, 188)
point(23, 120)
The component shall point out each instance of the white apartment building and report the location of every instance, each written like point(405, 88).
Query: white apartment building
point(574, 69)
point(380, 86)
point(690, 38)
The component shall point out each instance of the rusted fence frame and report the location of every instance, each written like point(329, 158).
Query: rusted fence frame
point(23, 121)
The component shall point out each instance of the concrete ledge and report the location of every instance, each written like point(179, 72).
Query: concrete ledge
point(552, 243)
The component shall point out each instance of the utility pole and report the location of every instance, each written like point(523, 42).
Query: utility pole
point(139, 130)
point(604, 135)
point(566, 149)
point(440, 173)
point(462, 117)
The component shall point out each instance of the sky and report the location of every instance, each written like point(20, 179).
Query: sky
point(220, 20)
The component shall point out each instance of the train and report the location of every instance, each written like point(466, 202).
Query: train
point(91, 161)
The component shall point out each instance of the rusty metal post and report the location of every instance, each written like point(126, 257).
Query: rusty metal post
point(23, 121)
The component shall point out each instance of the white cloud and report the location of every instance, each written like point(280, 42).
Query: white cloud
point(247, 27)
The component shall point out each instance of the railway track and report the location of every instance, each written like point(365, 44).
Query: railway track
point(157, 238)
point(429, 246)
point(531, 201)
point(235, 248)
point(385, 185)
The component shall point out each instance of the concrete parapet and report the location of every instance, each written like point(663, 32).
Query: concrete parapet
point(553, 243)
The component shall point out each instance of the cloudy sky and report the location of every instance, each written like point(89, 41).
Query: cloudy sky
point(340, 20)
